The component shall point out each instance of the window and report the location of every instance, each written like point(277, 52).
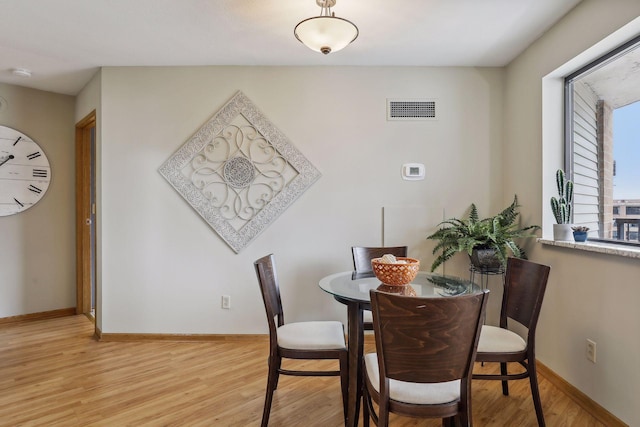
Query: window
point(602, 143)
point(633, 210)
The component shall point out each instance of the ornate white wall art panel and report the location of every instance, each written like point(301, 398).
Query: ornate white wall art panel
point(239, 172)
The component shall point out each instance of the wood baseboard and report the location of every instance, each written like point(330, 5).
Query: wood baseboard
point(39, 316)
point(181, 337)
point(597, 411)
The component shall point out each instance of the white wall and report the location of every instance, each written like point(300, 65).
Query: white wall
point(164, 270)
point(37, 259)
point(589, 295)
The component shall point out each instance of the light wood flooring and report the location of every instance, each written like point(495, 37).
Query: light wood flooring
point(54, 373)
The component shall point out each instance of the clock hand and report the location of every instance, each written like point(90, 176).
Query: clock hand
point(9, 157)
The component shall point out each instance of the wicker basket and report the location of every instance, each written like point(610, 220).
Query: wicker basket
point(396, 274)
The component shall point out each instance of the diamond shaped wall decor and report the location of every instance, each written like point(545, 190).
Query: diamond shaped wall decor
point(239, 172)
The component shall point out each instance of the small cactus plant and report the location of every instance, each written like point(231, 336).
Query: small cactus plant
point(561, 206)
point(580, 228)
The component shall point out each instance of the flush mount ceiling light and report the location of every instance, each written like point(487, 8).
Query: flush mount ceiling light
point(326, 33)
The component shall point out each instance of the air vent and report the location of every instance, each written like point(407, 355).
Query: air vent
point(411, 109)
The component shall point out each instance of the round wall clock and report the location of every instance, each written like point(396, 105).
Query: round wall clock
point(24, 172)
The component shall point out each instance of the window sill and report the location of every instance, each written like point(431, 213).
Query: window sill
point(600, 247)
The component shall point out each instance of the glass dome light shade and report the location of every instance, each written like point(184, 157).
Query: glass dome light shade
point(326, 34)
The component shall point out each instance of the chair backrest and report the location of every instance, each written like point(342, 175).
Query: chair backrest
point(268, 280)
point(525, 284)
point(363, 255)
point(427, 340)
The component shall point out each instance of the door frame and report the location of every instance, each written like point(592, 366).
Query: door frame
point(85, 250)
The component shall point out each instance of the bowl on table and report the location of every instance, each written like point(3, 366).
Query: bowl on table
point(399, 273)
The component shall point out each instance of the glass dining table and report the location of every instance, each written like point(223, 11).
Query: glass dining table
point(352, 289)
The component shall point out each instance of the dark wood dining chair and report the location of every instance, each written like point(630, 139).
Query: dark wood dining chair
point(425, 349)
point(525, 284)
point(362, 256)
point(299, 340)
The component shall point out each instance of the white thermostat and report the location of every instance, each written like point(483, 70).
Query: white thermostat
point(412, 171)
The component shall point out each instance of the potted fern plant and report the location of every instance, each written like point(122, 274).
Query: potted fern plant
point(487, 241)
point(562, 207)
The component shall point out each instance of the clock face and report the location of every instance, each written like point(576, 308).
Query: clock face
point(24, 172)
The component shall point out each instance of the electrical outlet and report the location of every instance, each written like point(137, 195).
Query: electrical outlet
point(226, 302)
point(591, 350)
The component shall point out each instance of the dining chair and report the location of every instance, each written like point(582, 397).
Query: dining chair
point(425, 349)
point(525, 284)
point(362, 256)
point(298, 340)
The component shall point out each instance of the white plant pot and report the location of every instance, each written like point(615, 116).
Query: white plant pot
point(563, 232)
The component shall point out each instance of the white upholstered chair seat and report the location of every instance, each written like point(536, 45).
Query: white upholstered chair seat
point(416, 393)
point(499, 340)
point(367, 316)
point(312, 335)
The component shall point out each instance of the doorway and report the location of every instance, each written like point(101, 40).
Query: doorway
point(85, 151)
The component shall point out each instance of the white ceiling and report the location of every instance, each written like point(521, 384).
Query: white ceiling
point(64, 42)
